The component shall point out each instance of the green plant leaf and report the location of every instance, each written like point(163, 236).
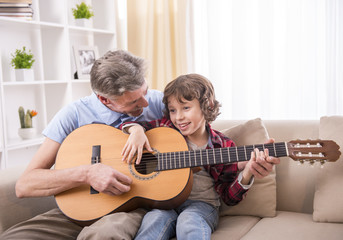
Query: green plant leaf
point(22, 59)
point(82, 11)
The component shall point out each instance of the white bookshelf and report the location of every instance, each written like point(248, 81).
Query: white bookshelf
point(50, 35)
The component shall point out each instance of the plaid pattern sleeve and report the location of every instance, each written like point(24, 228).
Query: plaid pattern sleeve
point(225, 175)
point(164, 122)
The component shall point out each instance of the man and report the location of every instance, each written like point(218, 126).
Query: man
point(120, 94)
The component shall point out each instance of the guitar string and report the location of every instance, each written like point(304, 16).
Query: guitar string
point(148, 160)
point(153, 159)
point(232, 150)
point(241, 151)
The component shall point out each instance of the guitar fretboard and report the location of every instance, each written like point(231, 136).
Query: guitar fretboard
point(187, 159)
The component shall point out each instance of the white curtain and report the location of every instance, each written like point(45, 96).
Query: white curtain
point(274, 59)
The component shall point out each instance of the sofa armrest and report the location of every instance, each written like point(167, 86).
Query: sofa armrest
point(14, 210)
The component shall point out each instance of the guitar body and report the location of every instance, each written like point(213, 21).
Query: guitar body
point(164, 189)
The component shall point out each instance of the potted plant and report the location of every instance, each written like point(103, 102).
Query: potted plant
point(82, 14)
point(22, 62)
point(26, 130)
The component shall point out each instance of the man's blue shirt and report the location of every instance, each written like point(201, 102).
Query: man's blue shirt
point(90, 110)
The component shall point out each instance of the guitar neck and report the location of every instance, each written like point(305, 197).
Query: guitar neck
point(188, 159)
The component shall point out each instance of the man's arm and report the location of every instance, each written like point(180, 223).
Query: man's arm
point(39, 180)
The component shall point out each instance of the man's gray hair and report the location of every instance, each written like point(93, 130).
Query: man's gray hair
point(117, 72)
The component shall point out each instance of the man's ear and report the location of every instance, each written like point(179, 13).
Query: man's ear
point(103, 99)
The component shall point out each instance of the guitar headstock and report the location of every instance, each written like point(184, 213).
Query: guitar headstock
point(313, 150)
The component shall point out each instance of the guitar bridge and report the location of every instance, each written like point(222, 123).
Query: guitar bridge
point(95, 159)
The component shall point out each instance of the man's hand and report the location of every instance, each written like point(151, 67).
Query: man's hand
point(105, 179)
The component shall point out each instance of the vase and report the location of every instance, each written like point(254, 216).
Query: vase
point(24, 74)
point(83, 22)
point(27, 133)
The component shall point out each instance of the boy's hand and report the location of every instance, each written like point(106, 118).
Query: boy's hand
point(259, 165)
point(135, 144)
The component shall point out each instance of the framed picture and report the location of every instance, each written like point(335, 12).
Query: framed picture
point(85, 57)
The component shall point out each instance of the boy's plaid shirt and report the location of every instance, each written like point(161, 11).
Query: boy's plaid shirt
point(224, 175)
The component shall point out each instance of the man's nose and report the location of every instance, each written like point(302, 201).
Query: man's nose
point(143, 102)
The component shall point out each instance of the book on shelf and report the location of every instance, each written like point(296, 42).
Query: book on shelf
point(15, 14)
point(16, 8)
point(19, 17)
point(16, 1)
point(14, 4)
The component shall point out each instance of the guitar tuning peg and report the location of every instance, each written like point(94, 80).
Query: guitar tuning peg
point(311, 162)
point(322, 162)
point(301, 162)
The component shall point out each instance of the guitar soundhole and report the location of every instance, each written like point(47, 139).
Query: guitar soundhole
point(148, 164)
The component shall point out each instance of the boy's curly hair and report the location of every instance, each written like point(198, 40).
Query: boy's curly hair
point(193, 86)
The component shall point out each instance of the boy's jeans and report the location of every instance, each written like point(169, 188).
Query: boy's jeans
point(192, 220)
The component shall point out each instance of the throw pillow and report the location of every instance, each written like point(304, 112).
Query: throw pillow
point(328, 197)
point(261, 198)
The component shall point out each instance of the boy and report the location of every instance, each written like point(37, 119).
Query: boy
point(190, 108)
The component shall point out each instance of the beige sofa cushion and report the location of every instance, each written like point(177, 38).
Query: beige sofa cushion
point(234, 227)
point(293, 226)
point(328, 198)
point(261, 197)
point(14, 210)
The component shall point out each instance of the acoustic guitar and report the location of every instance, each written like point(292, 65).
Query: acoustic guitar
point(163, 179)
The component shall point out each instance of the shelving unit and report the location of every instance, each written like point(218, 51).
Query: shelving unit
point(51, 36)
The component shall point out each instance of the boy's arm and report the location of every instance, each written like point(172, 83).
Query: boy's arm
point(137, 139)
point(227, 185)
point(230, 188)
point(145, 125)
point(225, 177)
point(135, 144)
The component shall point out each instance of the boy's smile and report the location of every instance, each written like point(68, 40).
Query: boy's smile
point(183, 127)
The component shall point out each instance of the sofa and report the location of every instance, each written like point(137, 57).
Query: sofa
point(296, 201)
